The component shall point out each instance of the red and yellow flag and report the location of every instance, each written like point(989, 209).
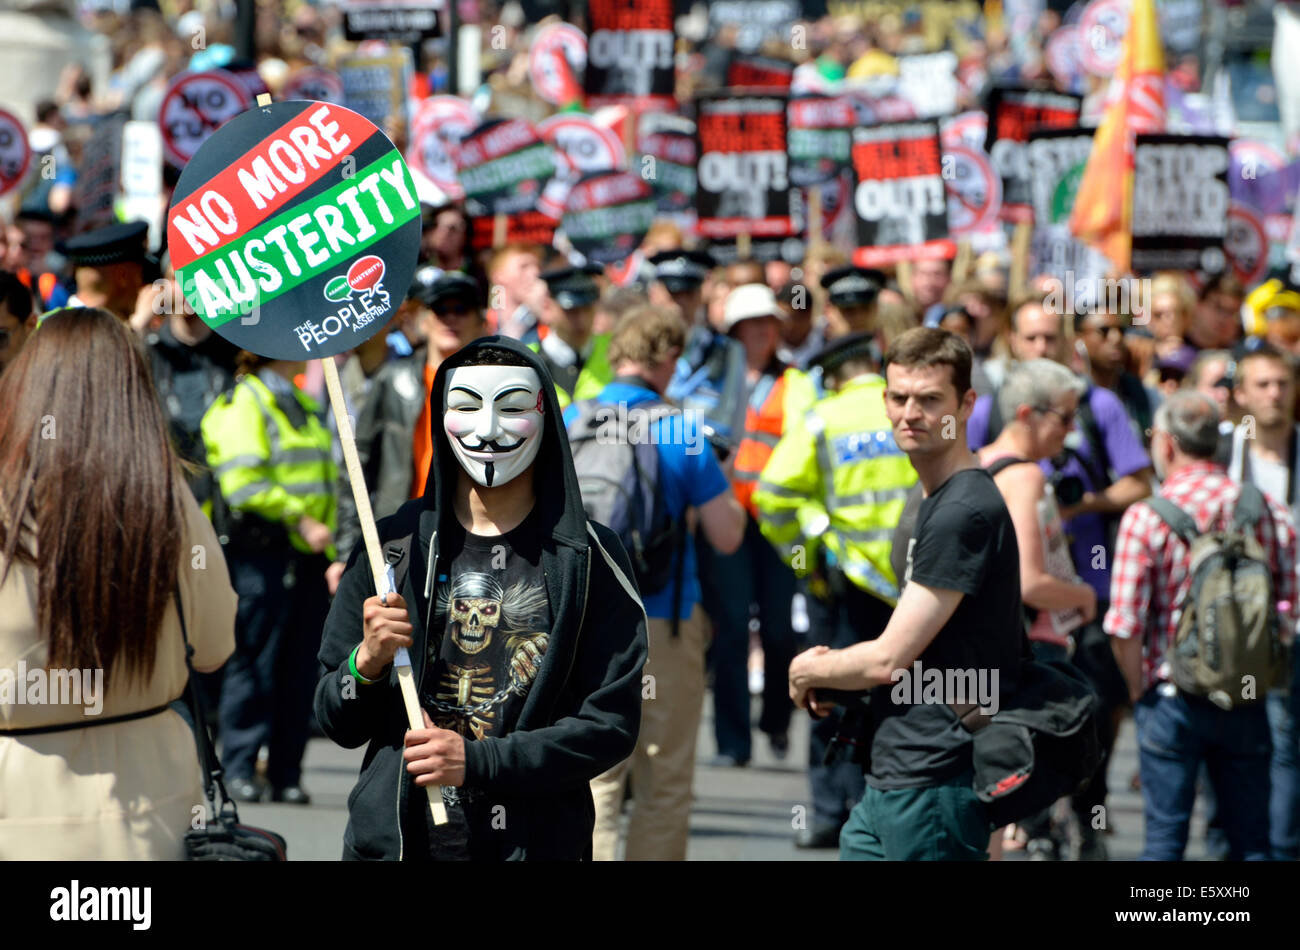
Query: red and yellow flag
point(1103, 206)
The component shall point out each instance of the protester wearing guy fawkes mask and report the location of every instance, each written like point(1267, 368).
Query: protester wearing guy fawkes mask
point(526, 635)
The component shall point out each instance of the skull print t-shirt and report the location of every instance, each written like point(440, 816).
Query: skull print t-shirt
point(495, 620)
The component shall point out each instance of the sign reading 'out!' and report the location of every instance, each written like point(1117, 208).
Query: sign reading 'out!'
point(295, 229)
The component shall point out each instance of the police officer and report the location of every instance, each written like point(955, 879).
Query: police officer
point(191, 366)
point(829, 499)
point(111, 266)
point(851, 294)
point(275, 514)
point(710, 376)
point(574, 354)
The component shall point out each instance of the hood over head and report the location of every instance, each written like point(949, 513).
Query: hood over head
point(559, 502)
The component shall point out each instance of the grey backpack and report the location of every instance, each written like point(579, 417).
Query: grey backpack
point(617, 462)
point(1229, 627)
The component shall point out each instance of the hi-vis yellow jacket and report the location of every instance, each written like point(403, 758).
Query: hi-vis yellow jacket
point(269, 465)
point(838, 479)
point(596, 373)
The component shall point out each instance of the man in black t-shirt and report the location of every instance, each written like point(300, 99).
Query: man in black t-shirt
point(953, 640)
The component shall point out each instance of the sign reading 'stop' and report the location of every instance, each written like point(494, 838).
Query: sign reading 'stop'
point(295, 229)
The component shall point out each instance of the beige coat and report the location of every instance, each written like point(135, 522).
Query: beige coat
point(123, 791)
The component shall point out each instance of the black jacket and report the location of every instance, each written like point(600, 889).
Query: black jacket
point(583, 713)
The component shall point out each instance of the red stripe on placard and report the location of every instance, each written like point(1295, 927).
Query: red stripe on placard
point(310, 145)
point(777, 226)
point(893, 253)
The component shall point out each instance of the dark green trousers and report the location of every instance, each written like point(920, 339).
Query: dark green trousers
point(942, 822)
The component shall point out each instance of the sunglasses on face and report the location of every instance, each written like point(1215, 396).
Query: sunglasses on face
point(1067, 418)
point(1105, 332)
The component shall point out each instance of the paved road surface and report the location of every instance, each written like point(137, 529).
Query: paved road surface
point(739, 814)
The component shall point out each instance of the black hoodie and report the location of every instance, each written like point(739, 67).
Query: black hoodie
point(583, 712)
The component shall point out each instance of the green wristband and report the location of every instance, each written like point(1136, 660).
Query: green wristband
point(352, 668)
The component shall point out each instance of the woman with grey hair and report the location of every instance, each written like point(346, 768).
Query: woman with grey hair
point(1039, 400)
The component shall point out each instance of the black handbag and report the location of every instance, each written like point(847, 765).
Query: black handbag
point(223, 837)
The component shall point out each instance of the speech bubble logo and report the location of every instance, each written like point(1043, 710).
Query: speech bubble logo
point(337, 289)
point(365, 273)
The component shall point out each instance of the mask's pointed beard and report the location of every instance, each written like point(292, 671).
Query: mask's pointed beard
point(489, 472)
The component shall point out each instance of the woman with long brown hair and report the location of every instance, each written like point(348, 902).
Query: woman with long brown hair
point(97, 532)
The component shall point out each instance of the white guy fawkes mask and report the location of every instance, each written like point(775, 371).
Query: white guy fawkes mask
point(494, 420)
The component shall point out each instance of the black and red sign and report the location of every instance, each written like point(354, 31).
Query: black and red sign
point(748, 71)
point(668, 154)
point(819, 137)
point(742, 171)
point(1013, 114)
point(898, 194)
point(527, 227)
point(295, 230)
point(608, 214)
point(503, 166)
point(631, 54)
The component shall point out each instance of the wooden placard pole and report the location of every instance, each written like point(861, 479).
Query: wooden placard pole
point(1018, 278)
point(815, 240)
point(500, 228)
point(961, 264)
point(744, 245)
point(378, 567)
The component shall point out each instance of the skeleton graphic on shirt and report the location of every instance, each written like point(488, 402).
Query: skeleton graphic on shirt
point(475, 607)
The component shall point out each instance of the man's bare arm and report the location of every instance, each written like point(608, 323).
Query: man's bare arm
point(920, 615)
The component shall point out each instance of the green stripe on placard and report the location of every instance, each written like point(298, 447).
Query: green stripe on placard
point(203, 280)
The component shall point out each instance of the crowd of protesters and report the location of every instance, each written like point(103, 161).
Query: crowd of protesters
point(809, 379)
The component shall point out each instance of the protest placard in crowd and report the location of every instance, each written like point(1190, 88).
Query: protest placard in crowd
point(194, 106)
point(668, 152)
point(607, 215)
point(1013, 114)
point(899, 195)
point(556, 63)
point(404, 20)
point(439, 125)
point(819, 137)
point(15, 153)
point(296, 231)
point(630, 54)
point(742, 172)
point(1180, 202)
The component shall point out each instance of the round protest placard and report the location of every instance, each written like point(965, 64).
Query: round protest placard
point(974, 190)
point(589, 146)
point(607, 215)
point(440, 125)
point(968, 128)
point(315, 83)
point(556, 61)
point(295, 230)
point(503, 166)
point(1064, 57)
point(196, 105)
point(1101, 29)
point(668, 152)
point(1246, 244)
point(15, 152)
